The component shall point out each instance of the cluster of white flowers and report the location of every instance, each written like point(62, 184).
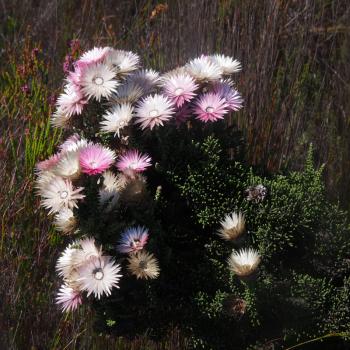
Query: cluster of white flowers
point(113, 81)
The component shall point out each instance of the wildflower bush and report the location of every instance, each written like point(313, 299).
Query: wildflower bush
point(169, 227)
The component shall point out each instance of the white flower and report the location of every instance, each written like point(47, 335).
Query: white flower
point(147, 79)
point(117, 118)
point(68, 166)
point(99, 276)
point(71, 101)
point(73, 144)
point(203, 69)
point(244, 262)
point(60, 193)
point(65, 266)
point(227, 64)
point(143, 265)
point(232, 226)
point(65, 220)
point(95, 55)
point(122, 62)
point(68, 298)
point(43, 179)
point(110, 192)
point(154, 110)
point(129, 92)
point(98, 81)
point(60, 119)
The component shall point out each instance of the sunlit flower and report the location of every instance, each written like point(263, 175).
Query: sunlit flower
point(98, 81)
point(48, 164)
point(227, 64)
point(232, 226)
point(117, 118)
point(43, 178)
point(143, 265)
point(95, 159)
point(133, 240)
point(244, 262)
point(60, 119)
point(210, 107)
point(203, 69)
point(231, 96)
point(71, 101)
point(59, 193)
point(68, 298)
point(180, 88)
point(65, 220)
point(153, 111)
point(99, 275)
point(68, 166)
point(87, 249)
point(95, 55)
point(122, 62)
point(73, 144)
point(66, 266)
point(133, 161)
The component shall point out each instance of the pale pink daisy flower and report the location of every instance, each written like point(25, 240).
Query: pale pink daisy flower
point(231, 96)
point(99, 275)
point(122, 62)
point(183, 114)
point(68, 298)
point(95, 55)
point(95, 159)
point(59, 193)
point(75, 77)
point(71, 101)
point(133, 161)
point(210, 107)
point(180, 88)
point(48, 164)
point(133, 240)
point(203, 69)
point(153, 110)
point(227, 64)
point(98, 81)
point(73, 144)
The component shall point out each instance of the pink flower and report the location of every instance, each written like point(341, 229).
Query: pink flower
point(75, 77)
point(229, 94)
point(133, 162)
point(210, 107)
point(95, 159)
point(49, 163)
point(183, 114)
point(180, 88)
point(71, 101)
point(95, 55)
point(133, 239)
point(68, 298)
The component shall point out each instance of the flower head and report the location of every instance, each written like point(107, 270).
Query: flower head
point(232, 226)
point(203, 69)
point(256, 194)
point(71, 101)
point(68, 298)
point(48, 164)
point(183, 114)
point(65, 220)
point(133, 161)
point(117, 118)
point(180, 88)
point(68, 166)
point(133, 239)
point(98, 81)
point(227, 64)
point(143, 265)
point(129, 92)
point(60, 193)
point(244, 262)
point(231, 96)
point(99, 275)
point(146, 79)
point(60, 119)
point(95, 159)
point(154, 110)
point(210, 107)
point(122, 62)
point(95, 55)
point(73, 144)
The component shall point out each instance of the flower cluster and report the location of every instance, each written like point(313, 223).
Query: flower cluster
point(114, 94)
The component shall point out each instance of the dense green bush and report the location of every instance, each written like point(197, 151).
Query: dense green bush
point(301, 290)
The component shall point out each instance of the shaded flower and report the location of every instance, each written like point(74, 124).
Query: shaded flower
point(203, 69)
point(256, 194)
point(60, 193)
point(180, 88)
point(146, 79)
point(232, 226)
point(73, 144)
point(117, 118)
point(153, 111)
point(231, 96)
point(143, 265)
point(48, 164)
point(65, 220)
point(133, 161)
point(98, 81)
point(68, 298)
point(133, 240)
point(183, 114)
point(134, 190)
point(244, 262)
point(210, 107)
point(60, 119)
point(95, 159)
point(227, 64)
point(122, 62)
point(129, 92)
point(99, 275)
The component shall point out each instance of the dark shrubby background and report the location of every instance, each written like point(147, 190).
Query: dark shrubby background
point(295, 83)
